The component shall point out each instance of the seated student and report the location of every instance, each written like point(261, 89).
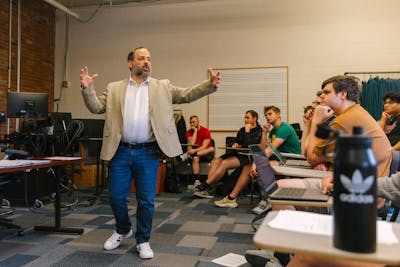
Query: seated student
point(307, 118)
point(282, 136)
point(247, 135)
point(340, 96)
point(200, 136)
point(390, 120)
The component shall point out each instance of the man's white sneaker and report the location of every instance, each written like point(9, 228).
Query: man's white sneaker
point(115, 240)
point(145, 251)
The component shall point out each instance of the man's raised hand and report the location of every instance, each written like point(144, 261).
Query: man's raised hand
point(86, 79)
point(214, 78)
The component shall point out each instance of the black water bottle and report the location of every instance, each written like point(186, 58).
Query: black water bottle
point(354, 206)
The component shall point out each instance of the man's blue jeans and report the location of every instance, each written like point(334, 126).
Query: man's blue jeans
point(142, 164)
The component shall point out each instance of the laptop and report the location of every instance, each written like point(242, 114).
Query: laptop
point(288, 162)
point(268, 179)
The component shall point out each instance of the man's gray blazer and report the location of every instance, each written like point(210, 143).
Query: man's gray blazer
point(162, 95)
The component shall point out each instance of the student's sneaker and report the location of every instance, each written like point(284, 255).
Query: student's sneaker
point(205, 193)
point(192, 187)
point(262, 258)
point(261, 207)
point(115, 240)
point(198, 188)
point(226, 203)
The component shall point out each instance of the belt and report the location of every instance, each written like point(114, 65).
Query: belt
point(138, 145)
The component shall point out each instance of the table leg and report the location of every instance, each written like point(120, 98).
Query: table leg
point(57, 211)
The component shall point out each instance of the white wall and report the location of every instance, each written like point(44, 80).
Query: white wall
point(316, 39)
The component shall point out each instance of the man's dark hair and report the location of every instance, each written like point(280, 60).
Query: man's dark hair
point(253, 113)
point(275, 109)
point(350, 84)
point(132, 53)
point(394, 96)
point(194, 116)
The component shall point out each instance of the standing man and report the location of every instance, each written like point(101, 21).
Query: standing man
point(247, 135)
point(390, 121)
point(138, 121)
point(202, 148)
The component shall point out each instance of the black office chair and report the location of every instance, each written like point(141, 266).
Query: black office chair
point(70, 147)
point(296, 127)
point(5, 205)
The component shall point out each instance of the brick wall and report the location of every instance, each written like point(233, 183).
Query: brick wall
point(37, 51)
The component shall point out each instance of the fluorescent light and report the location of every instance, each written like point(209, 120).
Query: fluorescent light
point(62, 7)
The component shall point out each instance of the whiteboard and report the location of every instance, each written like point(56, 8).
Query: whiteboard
point(242, 89)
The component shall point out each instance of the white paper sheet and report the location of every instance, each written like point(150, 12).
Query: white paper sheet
point(230, 260)
point(320, 224)
point(63, 158)
point(21, 162)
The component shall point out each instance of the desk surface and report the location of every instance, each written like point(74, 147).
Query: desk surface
point(194, 145)
point(299, 172)
point(293, 156)
point(326, 204)
point(318, 245)
point(235, 148)
point(51, 163)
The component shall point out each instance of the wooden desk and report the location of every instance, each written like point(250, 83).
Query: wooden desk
point(193, 145)
point(319, 245)
point(57, 203)
point(300, 172)
point(326, 204)
point(235, 148)
point(293, 156)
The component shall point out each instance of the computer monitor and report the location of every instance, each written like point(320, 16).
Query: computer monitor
point(28, 105)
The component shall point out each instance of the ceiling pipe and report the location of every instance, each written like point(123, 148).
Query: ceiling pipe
point(62, 8)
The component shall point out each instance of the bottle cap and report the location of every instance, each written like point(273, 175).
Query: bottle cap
point(358, 130)
point(357, 138)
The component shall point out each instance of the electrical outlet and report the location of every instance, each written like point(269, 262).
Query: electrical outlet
point(65, 84)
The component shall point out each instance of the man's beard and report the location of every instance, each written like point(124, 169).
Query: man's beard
point(140, 72)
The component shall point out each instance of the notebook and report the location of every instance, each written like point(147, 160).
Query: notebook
point(288, 162)
point(268, 179)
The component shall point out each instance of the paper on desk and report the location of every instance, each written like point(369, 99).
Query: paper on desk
point(321, 224)
point(63, 158)
point(21, 162)
point(230, 260)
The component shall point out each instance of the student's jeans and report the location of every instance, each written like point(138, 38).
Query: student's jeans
point(141, 164)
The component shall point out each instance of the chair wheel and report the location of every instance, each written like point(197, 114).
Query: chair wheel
point(38, 203)
point(52, 196)
point(5, 203)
